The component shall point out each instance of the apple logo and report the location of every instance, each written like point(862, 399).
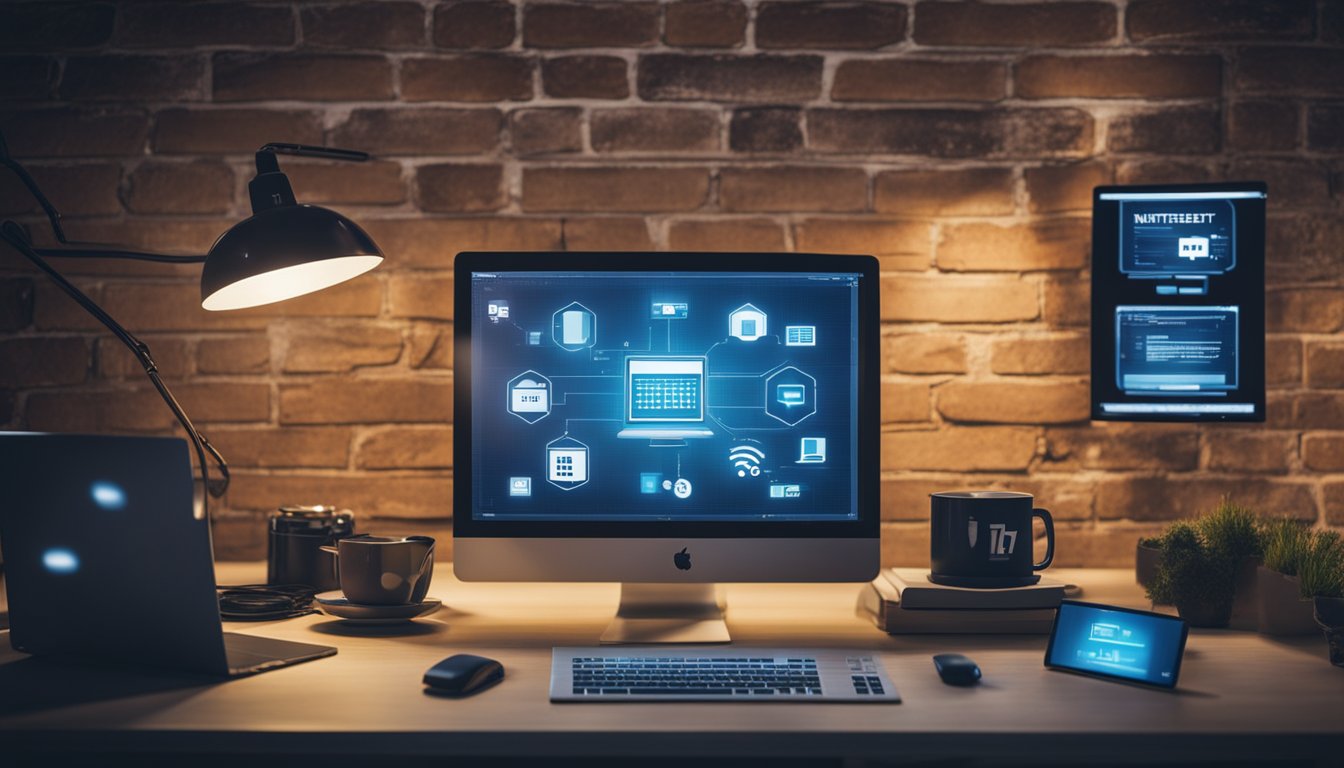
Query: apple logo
point(682, 559)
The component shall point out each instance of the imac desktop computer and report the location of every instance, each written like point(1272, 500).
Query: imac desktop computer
point(668, 421)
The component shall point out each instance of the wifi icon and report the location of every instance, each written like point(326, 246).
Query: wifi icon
point(747, 460)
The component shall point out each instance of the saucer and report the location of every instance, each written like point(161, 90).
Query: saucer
point(334, 604)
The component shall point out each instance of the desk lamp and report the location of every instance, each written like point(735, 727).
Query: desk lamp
point(283, 250)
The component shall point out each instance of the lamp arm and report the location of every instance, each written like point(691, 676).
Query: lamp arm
point(12, 233)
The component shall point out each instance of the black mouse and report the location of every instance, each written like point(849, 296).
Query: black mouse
point(463, 675)
point(956, 669)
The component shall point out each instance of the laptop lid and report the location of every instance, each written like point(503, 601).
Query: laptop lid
point(103, 557)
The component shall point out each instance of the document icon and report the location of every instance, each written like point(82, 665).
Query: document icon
point(529, 396)
point(578, 326)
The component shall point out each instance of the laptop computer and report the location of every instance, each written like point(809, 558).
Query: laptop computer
point(105, 561)
point(664, 398)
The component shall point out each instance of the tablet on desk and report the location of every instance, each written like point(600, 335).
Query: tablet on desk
point(1117, 643)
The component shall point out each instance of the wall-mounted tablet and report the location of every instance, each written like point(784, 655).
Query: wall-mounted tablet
point(1119, 643)
point(1178, 302)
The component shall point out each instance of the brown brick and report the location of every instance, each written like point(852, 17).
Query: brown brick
point(339, 348)
point(1323, 453)
point(114, 361)
point(474, 25)
point(614, 189)
point(43, 361)
point(1310, 310)
point(765, 129)
point(924, 353)
point(1290, 70)
point(231, 131)
point(961, 192)
point(86, 189)
point(53, 310)
point(431, 130)
point(460, 187)
point(234, 354)
point(907, 500)
point(1163, 172)
point(1160, 498)
point(1119, 77)
point(430, 347)
point(383, 25)
point(1334, 503)
point(1059, 354)
point(960, 449)
point(1251, 451)
point(143, 410)
point(705, 24)
point(654, 130)
point(1253, 20)
point(1054, 402)
point(16, 303)
point(793, 188)
point(420, 296)
point(743, 79)
point(177, 307)
point(1053, 244)
point(1107, 545)
point(406, 448)
point(202, 186)
point(68, 132)
point(27, 78)
point(829, 24)
point(1325, 365)
point(590, 25)
point(904, 79)
point(410, 498)
point(284, 448)
point(1305, 248)
point(179, 25)
point(301, 77)
point(585, 77)
point(1307, 410)
point(420, 242)
point(1053, 132)
point(609, 233)
point(366, 401)
point(1283, 362)
point(725, 234)
point(133, 78)
point(1325, 123)
point(1118, 446)
point(172, 235)
point(904, 544)
point(1262, 125)
point(375, 182)
point(958, 299)
point(48, 26)
point(484, 77)
point(1015, 25)
point(904, 401)
point(545, 131)
point(1056, 188)
point(1174, 131)
point(899, 245)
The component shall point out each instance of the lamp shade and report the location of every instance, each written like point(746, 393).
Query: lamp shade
point(283, 252)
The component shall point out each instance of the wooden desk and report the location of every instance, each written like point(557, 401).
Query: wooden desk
point(1242, 695)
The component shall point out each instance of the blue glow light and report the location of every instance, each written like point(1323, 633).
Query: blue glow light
point(108, 495)
point(60, 560)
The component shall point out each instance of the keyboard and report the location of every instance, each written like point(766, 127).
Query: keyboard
point(718, 673)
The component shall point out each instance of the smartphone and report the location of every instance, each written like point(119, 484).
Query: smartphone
point(1117, 643)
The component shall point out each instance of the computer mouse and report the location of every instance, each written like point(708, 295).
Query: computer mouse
point(956, 669)
point(463, 675)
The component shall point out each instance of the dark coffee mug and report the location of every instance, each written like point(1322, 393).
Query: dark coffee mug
point(983, 539)
point(384, 570)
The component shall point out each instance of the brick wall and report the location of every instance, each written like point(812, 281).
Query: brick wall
point(957, 141)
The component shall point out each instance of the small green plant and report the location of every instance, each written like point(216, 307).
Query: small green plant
point(1198, 569)
point(1232, 531)
point(1322, 568)
point(1287, 542)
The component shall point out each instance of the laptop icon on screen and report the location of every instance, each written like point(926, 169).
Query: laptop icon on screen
point(664, 398)
point(812, 450)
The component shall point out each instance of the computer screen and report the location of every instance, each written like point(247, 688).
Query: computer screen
point(1137, 646)
point(1178, 299)
point(664, 395)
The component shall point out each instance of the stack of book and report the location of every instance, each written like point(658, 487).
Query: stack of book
point(903, 601)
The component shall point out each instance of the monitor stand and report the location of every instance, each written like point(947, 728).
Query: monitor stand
point(668, 613)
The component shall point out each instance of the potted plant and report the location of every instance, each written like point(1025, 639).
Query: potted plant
point(1322, 575)
point(1284, 605)
point(1205, 563)
point(1147, 554)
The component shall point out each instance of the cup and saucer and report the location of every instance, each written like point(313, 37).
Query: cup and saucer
point(384, 579)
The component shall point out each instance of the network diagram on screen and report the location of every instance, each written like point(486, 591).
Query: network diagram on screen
point(664, 396)
point(1178, 302)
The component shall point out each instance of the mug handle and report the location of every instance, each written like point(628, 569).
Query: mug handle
point(1044, 514)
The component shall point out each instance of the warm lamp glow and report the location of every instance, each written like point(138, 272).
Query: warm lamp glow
point(288, 282)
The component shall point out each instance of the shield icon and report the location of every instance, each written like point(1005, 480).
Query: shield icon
point(972, 529)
